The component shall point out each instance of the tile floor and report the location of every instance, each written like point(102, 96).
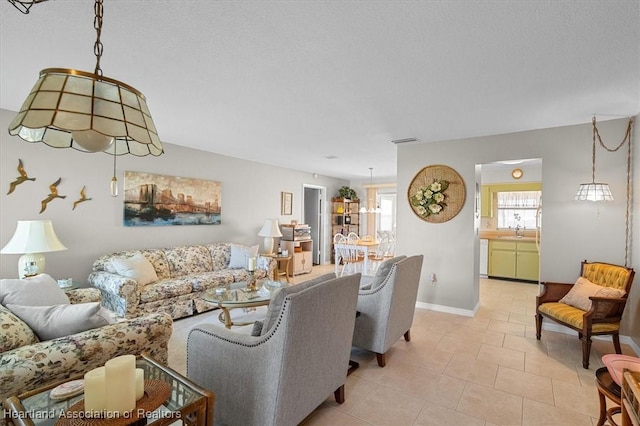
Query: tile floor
point(486, 370)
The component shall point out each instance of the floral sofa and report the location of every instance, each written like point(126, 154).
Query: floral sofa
point(181, 275)
point(27, 363)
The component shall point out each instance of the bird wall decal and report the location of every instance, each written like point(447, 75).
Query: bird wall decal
point(20, 179)
point(53, 195)
point(83, 197)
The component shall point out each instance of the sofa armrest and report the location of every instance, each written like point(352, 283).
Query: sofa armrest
point(119, 294)
point(84, 295)
point(268, 263)
point(43, 363)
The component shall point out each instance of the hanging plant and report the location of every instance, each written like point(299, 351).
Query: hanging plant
point(346, 192)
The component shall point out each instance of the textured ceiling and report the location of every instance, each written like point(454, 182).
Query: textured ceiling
point(291, 83)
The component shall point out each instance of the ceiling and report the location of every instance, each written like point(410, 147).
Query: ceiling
point(325, 86)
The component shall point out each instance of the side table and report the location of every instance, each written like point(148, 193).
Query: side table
point(282, 270)
point(188, 403)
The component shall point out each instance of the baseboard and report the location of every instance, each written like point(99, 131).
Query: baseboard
point(448, 309)
point(566, 330)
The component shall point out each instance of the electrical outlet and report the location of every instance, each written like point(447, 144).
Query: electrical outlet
point(434, 278)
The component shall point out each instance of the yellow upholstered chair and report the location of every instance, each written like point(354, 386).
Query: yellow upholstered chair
point(592, 306)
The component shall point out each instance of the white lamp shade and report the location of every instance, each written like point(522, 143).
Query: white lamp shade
point(594, 192)
point(32, 238)
point(270, 229)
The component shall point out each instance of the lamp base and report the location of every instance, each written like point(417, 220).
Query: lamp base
point(268, 245)
point(30, 264)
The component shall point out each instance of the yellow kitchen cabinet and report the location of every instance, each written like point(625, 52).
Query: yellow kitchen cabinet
point(528, 261)
point(513, 259)
point(486, 201)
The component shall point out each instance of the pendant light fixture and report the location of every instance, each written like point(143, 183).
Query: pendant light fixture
point(598, 191)
point(86, 111)
point(376, 209)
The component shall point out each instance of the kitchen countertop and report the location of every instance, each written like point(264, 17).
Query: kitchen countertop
point(507, 235)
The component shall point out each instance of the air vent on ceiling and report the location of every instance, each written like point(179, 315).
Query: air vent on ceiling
point(407, 140)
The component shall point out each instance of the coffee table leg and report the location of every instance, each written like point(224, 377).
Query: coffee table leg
point(225, 318)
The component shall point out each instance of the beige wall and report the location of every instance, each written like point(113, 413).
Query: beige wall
point(250, 194)
point(571, 232)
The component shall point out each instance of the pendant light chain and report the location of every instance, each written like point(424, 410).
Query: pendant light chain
point(627, 138)
point(97, 24)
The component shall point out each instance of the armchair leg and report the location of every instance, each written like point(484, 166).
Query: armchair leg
point(381, 359)
point(407, 336)
point(616, 343)
point(339, 395)
point(538, 325)
point(586, 350)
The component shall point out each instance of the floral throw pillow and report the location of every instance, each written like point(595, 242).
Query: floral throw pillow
point(14, 333)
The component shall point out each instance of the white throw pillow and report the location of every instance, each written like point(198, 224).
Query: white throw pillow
point(51, 322)
point(41, 290)
point(239, 254)
point(136, 267)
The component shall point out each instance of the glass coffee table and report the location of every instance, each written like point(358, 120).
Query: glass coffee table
point(238, 296)
point(187, 403)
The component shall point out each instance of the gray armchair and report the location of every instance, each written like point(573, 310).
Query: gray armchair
point(290, 365)
point(387, 306)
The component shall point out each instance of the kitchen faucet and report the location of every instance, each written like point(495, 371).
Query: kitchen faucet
point(519, 231)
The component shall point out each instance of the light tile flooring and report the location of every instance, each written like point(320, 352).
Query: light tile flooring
point(486, 370)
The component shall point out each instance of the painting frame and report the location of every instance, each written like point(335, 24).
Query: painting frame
point(286, 203)
point(161, 200)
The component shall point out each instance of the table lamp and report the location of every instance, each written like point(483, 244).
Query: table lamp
point(269, 231)
point(31, 239)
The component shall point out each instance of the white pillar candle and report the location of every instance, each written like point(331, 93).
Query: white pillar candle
point(139, 383)
point(94, 392)
point(121, 384)
point(252, 264)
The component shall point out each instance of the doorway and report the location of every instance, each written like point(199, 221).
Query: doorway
point(313, 207)
point(509, 208)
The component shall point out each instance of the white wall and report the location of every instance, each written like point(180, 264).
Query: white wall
point(250, 194)
point(572, 231)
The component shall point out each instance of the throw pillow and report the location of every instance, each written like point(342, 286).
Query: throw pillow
point(239, 254)
point(41, 290)
point(14, 333)
point(277, 300)
point(51, 322)
point(136, 267)
point(578, 296)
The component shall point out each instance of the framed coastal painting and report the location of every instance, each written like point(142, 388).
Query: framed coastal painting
point(161, 200)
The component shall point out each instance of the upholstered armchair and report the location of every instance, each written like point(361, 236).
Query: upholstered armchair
point(290, 364)
point(387, 305)
point(592, 306)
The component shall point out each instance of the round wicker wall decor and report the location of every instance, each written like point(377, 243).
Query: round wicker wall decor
point(436, 194)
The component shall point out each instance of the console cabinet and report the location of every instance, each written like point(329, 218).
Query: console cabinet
point(301, 253)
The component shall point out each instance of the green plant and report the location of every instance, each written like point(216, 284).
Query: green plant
point(346, 192)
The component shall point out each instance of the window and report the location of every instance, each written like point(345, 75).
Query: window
point(387, 203)
point(519, 208)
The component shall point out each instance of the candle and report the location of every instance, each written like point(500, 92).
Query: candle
point(252, 264)
point(139, 383)
point(94, 392)
point(120, 374)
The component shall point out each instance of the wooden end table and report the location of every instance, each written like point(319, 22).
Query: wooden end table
point(187, 402)
point(282, 269)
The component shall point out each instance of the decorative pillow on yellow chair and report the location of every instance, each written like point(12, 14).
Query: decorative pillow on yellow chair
point(578, 296)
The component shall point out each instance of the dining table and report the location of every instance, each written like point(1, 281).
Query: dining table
point(366, 247)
